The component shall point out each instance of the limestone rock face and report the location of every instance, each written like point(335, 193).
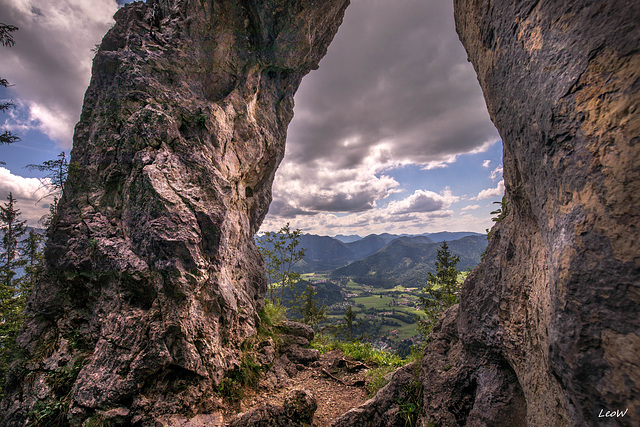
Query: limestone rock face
point(548, 328)
point(558, 298)
point(152, 276)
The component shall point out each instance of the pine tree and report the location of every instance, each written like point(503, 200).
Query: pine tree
point(53, 182)
point(441, 290)
point(6, 39)
point(350, 322)
point(33, 258)
point(309, 310)
point(12, 294)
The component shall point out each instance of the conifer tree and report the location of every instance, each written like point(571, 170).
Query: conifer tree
point(12, 294)
point(350, 322)
point(441, 290)
point(53, 182)
point(33, 257)
point(6, 39)
point(311, 313)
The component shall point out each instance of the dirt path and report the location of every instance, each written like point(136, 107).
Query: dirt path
point(334, 396)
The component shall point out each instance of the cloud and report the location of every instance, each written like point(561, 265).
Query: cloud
point(416, 212)
point(470, 207)
point(395, 74)
point(55, 39)
point(496, 173)
point(28, 192)
point(379, 221)
point(486, 163)
point(326, 188)
point(395, 88)
point(422, 201)
point(491, 192)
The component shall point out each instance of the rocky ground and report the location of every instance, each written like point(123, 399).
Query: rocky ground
point(337, 384)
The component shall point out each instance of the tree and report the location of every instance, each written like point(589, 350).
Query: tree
point(441, 290)
point(33, 258)
point(12, 295)
point(500, 213)
point(309, 310)
point(280, 251)
point(6, 39)
point(53, 181)
point(350, 322)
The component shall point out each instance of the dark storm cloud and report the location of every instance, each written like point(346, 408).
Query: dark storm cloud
point(395, 73)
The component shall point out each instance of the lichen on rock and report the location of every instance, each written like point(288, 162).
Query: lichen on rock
point(152, 276)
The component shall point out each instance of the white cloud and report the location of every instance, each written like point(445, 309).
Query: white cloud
point(419, 212)
point(496, 173)
point(491, 192)
point(486, 163)
point(299, 189)
point(422, 201)
point(470, 207)
point(28, 192)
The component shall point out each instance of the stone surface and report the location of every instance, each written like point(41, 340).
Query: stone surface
point(297, 410)
point(296, 329)
point(547, 331)
point(383, 410)
point(152, 276)
point(202, 420)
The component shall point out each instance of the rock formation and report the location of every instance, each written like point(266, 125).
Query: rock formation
point(297, 411)
point(152, 278)
point(548, 328)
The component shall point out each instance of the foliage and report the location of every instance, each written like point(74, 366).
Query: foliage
point(6, 39)
point(33, 257)
point(49, 413)
point(357, 350)
point(53, 182)
point(377, 378)
point(441, 290)
point(308, 308)
point(410, 404)
point(12, 293)
point(350, 320)
point(500, 213)
point(281, 251)
point(247, 375)
point(270, 315)
point(16, 254)
point(53, 411)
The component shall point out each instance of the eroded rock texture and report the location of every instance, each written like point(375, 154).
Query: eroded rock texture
point(548, 329)
point(152, 277)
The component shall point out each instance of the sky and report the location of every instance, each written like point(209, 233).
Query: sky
point(390, 134)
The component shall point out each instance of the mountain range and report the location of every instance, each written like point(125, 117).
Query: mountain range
point(407, 260)
point(387, 259)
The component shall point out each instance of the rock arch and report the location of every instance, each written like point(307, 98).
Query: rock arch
point(182, 128)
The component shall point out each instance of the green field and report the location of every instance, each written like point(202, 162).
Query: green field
point(399, 305)
point(379, 302)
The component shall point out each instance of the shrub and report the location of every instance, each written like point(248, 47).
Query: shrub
point(357, 350)
point(377, 379)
